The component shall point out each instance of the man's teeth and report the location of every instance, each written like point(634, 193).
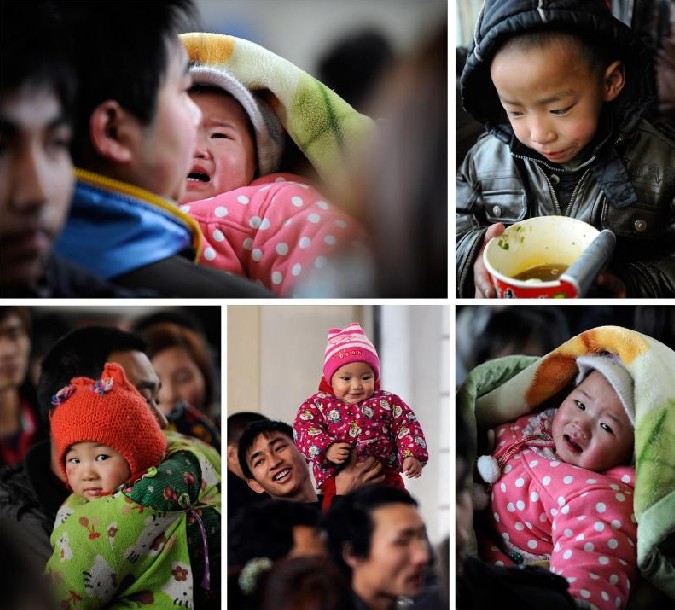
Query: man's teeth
point(281, 474)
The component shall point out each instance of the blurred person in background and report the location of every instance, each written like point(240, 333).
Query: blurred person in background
point(181, 358)
point(19, 424)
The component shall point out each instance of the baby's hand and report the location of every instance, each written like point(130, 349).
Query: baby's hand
point(481, 277)
point(338, 453)
point(412, 467)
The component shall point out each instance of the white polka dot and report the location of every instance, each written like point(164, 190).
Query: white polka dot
point(282, 248)
point(567, 480)
point(320, 262)
point(330, 240)
point(507, 469)
point(614, 487)
point(572, 579)
point(503, 487)
point(510, 507)
point(248, 243)
point(255, 222)
point(620, 497)
point(589, 547)
point(555, 464)
point(580, 537)
point(534, 496)
point(594, 576)
point(603, 560)
point(616, 524)
point(604, 595)
point(209, 254)
point(505, 536)
point(322, 204)
point(341, 223)
point(304, 243)
point(599, 526)
point(614, 579)
point(496, 516)
point(612, 543)
point(265, 224)
point(565, 509)
point(519, 526)
point(561, 501)
point(617, 602)
point(520, 505)
point(276, 278)
point(280, 179)
point(528, 525)
point(600, 507)
point(185, 208)
point(297, 268)
point(297, 201)
point(543, 518)
point(554, 512)
point(220, 211)
point(520, 482)
point(590, 481)
point(218, 235)
point(568, 532)
point(567, 554)
point(256, 254)
point(532, 544)
point(501, 432)
point(243, 199)
point(314, 218)
point(287, 222)
point(581, 517)
point(585, 594)
point(533, 463)
point(546, 480)
point(625, 478)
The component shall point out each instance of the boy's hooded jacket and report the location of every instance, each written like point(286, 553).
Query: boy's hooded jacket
point(626, 182)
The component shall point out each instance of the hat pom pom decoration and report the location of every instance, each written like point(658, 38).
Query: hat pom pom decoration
point(489, 469)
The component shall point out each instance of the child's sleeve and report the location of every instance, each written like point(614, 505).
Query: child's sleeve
point(594, 538)
point(410, 438)
point(310, 431)
point(277, 233)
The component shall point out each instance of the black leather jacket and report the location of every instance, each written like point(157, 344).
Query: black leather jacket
point(626, 184)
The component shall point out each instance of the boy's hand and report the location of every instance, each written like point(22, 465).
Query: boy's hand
point(338, 453)
point(481, 277)
point(355, 475)
point(612, 284)
point(412, 467)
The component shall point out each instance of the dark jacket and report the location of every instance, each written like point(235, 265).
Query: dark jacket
point(626, 182)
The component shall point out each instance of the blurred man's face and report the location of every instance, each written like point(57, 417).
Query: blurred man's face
point(14, 352)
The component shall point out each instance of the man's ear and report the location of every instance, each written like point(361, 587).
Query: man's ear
point(614, 80)
point(348, 555)
point(109, 130)
point(255, 486)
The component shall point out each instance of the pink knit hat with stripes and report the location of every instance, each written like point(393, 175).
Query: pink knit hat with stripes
point(346, 345)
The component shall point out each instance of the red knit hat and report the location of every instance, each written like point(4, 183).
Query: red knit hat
point(109, 411)
point(346, 345)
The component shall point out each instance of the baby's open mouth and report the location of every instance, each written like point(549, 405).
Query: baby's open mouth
point(200, 176)
point(571, 445)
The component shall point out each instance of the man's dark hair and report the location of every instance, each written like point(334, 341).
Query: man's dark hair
point(249, 436)
point(266, 529)
point(349, 521)
point(81, 353)
point(238, 422)
point(122, 54)
point(34, 51)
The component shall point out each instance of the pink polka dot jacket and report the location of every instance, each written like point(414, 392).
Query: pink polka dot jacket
point(581, 521)
point(382, 426)
point(276, 230)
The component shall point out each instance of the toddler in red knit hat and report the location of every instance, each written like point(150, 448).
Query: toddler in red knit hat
point(104, 434)
point(351, 412)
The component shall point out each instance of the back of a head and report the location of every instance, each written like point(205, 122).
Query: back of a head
point(34, 50)
point(305, 583)
point(122, 54)
point(349, 522)
point(265, 427)
point(266, 529)
point(81, 353)
point(238, 422)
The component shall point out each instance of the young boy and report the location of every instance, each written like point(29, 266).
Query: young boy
point(36, 172)
point(117, 538)
point(133, 142)
point(351, 411)
point(562, 94)
point(267, 226)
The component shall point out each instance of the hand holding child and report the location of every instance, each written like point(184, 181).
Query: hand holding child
point(412, 467)
point(481, 277)
point(338, 453)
